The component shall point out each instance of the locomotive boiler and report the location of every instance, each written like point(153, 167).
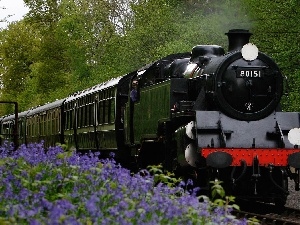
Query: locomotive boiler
point(204, 114)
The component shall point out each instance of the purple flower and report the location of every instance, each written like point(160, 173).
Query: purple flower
point(50, 186)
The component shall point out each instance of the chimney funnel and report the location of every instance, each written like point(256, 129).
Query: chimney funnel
point(237, 39)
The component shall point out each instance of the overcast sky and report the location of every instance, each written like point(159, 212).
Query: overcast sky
point(16, 8)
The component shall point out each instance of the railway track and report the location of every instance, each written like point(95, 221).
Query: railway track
point(269, 214)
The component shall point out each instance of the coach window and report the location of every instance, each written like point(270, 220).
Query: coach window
point(53, 121)
point(56, 121)
point(106, 106)
point(112, 110)
point(86, 114)
point(70, 119)
point(79, 115)
point(38, 126)
point(96, 108)
point(41, 123)
point(47, 124)
point(103, 107)
point(71, 112)
point(46, 127)
point(91, 113)
point(31, 127)
point(6, 129)
point(107, 110)
point(67, 120)
point(83, 116)
point(35, 126)
point(20, 129)
point(44, 117)
point(66, 117)
point(89, 106)
point(45, 121)
point(76, 116)
point(100, 112)
point(103, 112)
point(77, 112)
point(58, 118)
point(38, 119)
point(99, 109)
point(28, 124)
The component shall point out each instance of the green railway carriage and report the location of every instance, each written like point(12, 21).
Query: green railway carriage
point(90, 117)
point(44, 123)
point(8, 125)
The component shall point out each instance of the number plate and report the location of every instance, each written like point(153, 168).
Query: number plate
point(249, 73)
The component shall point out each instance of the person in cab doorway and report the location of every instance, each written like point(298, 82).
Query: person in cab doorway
point(134, 91)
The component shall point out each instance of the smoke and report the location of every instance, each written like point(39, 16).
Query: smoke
point(211, 19)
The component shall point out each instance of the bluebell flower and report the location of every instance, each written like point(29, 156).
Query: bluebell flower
point(49, 186)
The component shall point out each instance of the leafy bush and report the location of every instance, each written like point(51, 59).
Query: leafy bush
point(50, 186)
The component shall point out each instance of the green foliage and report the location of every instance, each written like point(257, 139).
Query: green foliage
point(63, 46)
point(219, 198)
point(276, 28)
point(18, 47)
point(167, 178)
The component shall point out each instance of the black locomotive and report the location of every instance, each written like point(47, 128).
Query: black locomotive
point(205, 114)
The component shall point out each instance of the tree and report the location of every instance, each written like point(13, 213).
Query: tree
point(17, 50)
point(69, 45)
point(276, 28)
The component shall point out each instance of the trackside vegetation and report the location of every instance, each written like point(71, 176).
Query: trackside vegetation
point(53, 186)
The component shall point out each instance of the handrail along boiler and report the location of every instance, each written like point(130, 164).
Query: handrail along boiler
point(205, 115)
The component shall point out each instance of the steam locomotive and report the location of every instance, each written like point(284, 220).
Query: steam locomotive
point(204, 114)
